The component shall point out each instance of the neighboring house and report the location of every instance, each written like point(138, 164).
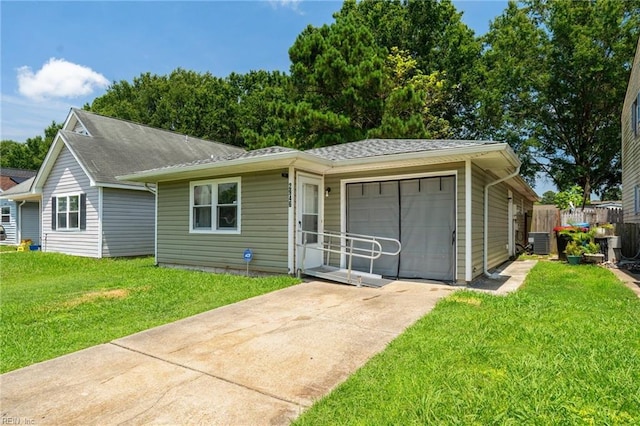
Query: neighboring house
point(12, 214)
point(457, 207)
point(631, 145)
point(85, 210)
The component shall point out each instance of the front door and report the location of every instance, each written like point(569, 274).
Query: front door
point(309, 221)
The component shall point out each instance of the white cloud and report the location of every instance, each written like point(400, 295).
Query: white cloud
point(59, 78)
point(291, 4)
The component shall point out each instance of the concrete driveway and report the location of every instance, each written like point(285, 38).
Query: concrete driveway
point(259, 361)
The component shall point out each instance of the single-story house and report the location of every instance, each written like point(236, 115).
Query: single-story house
point(84, 209)
point(20, 220)
point(631, 145)
point(456, 207)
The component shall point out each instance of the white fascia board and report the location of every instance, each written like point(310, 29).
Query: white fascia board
point(265, 162)
point(120, 186)
point(26, 196)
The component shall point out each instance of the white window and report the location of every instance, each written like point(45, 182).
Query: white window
point(636, 199)
point(215, 206)
point(66, 211)
point(6, 214)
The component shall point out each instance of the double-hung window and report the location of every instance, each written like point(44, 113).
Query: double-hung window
point(68, 212)
point(215, 206)
point(5, 214)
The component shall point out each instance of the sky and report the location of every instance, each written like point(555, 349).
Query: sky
point(56, 55)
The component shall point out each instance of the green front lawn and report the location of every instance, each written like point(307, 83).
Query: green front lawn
point(53, 304)
point(564, 349)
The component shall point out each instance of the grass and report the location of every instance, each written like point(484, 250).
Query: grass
point(564, 349)
point(5, 248)
point(53, 304)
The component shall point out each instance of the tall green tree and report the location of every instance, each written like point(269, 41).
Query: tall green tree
point(432, 33)
point(338, 74)
point(31, 154)
point(264, 108)
point(200, 105)
point(553, 76)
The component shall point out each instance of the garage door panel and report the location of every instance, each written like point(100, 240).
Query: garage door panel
point(370, 207)
point(418, 212)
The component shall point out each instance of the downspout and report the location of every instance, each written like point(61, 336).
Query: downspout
point(148, 188)
point(19, 221)
point(486, 221)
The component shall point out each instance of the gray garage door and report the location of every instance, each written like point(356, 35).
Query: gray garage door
point(418, 212)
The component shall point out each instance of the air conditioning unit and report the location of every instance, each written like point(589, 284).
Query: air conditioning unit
point(540, 242)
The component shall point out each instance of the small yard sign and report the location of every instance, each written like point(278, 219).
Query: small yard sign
point(247, 256)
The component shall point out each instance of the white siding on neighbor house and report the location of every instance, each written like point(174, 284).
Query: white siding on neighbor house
point(30, 222)
point(67, 177)
point(128, 222)
point(631, 147)
point(10, 227)
point(264, 227)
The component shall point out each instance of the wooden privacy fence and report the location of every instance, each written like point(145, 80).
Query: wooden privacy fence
point(546, 217)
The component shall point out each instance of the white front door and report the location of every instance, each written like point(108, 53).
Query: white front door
point(309, 221)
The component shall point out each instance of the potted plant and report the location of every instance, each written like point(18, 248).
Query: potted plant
point(592, 253)
point(574, 252)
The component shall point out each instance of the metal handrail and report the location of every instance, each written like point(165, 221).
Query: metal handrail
point(346, 246)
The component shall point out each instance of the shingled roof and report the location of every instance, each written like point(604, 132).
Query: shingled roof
point(381, 147)
point(114, 147)
point(10, 177)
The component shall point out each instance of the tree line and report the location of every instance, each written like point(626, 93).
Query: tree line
point(549, 78)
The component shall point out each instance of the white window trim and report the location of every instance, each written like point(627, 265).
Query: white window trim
point(55, 213)
point(214, 202)
point(636, 199)
point(2, 215)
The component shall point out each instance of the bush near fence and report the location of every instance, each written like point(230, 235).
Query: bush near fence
point(547, 217)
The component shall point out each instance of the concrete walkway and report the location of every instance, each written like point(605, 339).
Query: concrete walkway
point(260, 361)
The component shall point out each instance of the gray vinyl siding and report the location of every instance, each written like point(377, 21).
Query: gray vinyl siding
point(67, 177)
point(264, 229)
point(128, 222)
point(630, 146)
point(10, 228)
point(30, 222)
point(332, 213)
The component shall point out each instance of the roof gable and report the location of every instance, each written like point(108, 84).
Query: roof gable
point(107, 147)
